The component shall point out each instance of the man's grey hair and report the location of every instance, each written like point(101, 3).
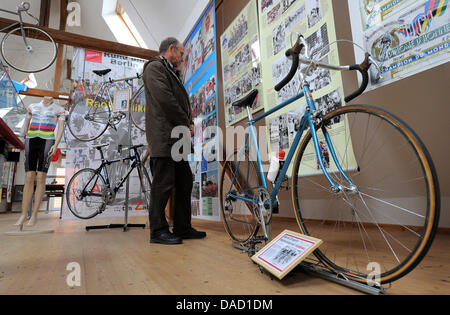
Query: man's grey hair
point(165, 44)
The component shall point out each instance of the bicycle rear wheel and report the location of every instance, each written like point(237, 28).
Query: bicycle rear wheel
point(239, 177)
point(137, 109)
point(89, 117)
point(85, 194)
point(390, 218)
point(38, 56)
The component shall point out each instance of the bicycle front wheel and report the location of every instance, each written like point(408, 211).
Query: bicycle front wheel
point(85, 194)
point(35, 54)
point(89, 117)
point(239, 179)
point(382, 227)
point(137, 109)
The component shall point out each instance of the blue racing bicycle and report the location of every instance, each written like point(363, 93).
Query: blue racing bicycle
point(361, 180)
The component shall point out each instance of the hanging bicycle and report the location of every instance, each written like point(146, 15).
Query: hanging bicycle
point(27, 48)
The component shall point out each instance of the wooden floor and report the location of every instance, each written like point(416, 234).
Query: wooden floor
point(117, 262)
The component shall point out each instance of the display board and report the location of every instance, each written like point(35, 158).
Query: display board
point(241, 62)
point(315, 21)
point(404, 36)
point(199, 73)
point(82, 154)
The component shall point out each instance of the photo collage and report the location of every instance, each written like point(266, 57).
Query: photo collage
point(241, 64)
point(200, 79)
point(281, 21)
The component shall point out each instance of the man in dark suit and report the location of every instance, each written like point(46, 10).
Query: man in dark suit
point(168, 107)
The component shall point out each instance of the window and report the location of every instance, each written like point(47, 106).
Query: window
point(120, 24)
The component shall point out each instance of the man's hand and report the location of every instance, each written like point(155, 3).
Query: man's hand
point(191, 129)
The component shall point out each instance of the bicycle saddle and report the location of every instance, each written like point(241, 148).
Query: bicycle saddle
point(102, 72)
point(246, 101)
point(98, 147)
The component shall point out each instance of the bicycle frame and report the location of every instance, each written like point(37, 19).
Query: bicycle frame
point(136, 161)
point(305, 123)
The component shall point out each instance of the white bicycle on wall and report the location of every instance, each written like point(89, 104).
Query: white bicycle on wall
point(27, 48)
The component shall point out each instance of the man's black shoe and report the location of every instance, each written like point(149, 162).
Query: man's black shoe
point(192, 234)
point(166, 239)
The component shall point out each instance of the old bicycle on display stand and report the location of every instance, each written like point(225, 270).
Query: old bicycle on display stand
point(351, 199)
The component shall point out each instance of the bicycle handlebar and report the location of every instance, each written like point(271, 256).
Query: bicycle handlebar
point(301, 44)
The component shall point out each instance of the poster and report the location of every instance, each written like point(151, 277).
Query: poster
point(241, 62)
point(199, 72)
point(280, 23)
point(82, 154)
point(405, 37)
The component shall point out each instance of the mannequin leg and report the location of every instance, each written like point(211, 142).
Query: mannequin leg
point(38, 196)
point(26, 196)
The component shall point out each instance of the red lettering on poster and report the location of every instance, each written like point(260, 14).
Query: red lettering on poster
point(138, 207)
point(93, 56)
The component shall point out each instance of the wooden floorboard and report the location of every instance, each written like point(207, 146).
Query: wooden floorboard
point(117, 262)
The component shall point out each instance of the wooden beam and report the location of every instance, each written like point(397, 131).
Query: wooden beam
point(60, 56)
point(76, 40)
point(44, 16)
point(41, 93)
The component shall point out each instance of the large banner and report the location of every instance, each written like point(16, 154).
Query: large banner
point(241, 62)
point(404, 36)
point(200, 79)
point(82, 154)
point(280, 22)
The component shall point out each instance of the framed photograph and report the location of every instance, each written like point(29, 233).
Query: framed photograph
point(121, 100)
point(285, 252)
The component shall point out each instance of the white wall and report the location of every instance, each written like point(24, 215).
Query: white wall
point(157, 20)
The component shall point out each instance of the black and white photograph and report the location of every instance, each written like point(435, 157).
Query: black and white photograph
point(279, 133)
point(238, 32)
point(329, 102)
point(318, 42)
point(294, 120)
point(256, 75)
point(279, 39)
point(314, 12)
point(280, 68)
point(294, 19)
point(317, 78)
point(246, 83)
point(287, 4)
point(274, 14)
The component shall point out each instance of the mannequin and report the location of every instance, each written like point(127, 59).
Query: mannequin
point(40, 145)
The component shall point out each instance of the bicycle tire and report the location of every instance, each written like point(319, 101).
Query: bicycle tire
point(10, 55)
point(78, 123)
point(93, 207)
point(407, 240)
point(137, 109)
point(240, 229)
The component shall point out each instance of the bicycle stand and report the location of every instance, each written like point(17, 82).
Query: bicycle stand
point(126, 225)
point(314, 269)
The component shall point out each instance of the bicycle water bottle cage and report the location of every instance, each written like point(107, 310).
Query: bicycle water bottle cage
point(246, 101)
point(102, 72)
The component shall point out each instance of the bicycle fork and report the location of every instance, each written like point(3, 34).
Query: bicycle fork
point(312, 127)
